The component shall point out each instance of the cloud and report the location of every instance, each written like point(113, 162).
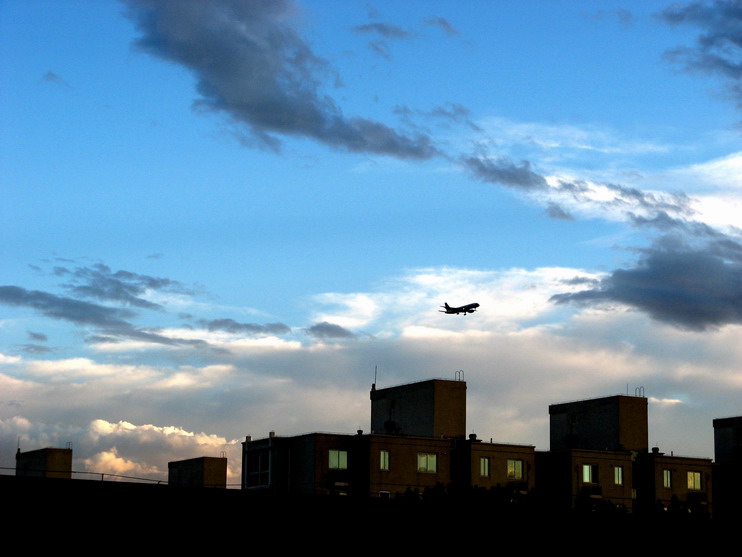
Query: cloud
point(110, 321)
point(327, 330)
point(386, 30)
point(252, 65)
point(718, 49)
point(69, 309)
point(555, 211)
point(116, 325)
point(39, 337)
point(444, 25)
point(232, 326)
point(690, 289)
point(121, 286)
point(504, 172)
point(52, 77)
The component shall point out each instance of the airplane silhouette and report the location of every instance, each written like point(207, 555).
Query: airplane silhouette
point(469, 308)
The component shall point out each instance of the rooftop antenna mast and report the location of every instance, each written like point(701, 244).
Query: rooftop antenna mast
point(373, 385)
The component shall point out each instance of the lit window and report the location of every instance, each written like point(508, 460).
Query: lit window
point(338, 459)
point(590, 473)
point(515, 469)
point(666, 478)
point(618, 475)
point(383, 460)
point(484, 466)
point(694, 480)
point(427, 462)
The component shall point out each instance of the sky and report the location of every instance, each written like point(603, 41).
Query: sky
point(226, 218)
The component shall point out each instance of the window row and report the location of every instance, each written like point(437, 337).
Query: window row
point(514, 468)
point(693, 479)
point(426, 463)
point(590, 475)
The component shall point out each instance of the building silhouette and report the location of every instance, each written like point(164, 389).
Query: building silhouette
point(728, 458)
point(600, 460)
point(205, 471)
point(44, 463)
point(417, 445)
point(417, 450)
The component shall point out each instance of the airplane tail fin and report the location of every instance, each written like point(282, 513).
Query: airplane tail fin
point(446, 305)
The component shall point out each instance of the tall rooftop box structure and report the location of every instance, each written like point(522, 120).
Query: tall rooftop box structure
point(433, 408)
point(44, 463)
point(205, 471)
point(614, 423)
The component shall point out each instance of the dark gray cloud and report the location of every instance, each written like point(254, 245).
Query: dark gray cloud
point(556, 211)
point(327, 330)
point(718, 49)
point(112, 322)
point(448, 113)
point(386, 30)
point(68, 309)
point(504, 172)
point(253, 66)
point(36, 349)
point(99, 282)
point(693, 289)
point(444, 24)
point(232, 326)
point(52, 77)
point(38, 337)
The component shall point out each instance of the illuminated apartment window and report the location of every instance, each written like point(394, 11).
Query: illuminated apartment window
point(694, 480)
point(484, 466)
point(427, 462)
point(666, 478)
point(338, 459)
point(590, 473)
point(383, 460)
point(515, 469)
point(618, 475)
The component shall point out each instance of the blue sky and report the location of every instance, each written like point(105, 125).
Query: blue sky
point(219, 218)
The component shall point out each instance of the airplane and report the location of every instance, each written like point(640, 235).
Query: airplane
point(469, 308)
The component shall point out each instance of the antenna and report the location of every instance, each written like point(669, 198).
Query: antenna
point(373, 385)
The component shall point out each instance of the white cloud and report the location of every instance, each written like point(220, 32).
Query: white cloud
point(109, 462)
point(5, 359)
point(720, 174)
point(564, 140)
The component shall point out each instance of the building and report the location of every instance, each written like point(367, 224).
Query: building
point(44, 463)
point(728, 471)
point(204, 471)
point(587, 480)
point(613, 423)
point(600, 459)
point(433, 408)
point(679, 484)
point(417, 445)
